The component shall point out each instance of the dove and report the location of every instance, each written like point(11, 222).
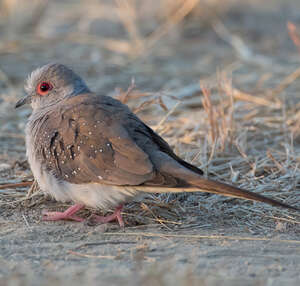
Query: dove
point(92, 150)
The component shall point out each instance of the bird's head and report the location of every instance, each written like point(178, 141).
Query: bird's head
point(50, 84)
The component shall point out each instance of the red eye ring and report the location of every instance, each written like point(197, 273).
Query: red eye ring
point(44, 87)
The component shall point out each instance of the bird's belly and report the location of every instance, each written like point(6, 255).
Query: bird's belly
point(90, 194)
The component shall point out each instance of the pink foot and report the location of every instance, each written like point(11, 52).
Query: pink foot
point(67, 214)
point(115, 216)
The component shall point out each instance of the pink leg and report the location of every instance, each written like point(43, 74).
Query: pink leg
point(67, 214)
point(115, 216)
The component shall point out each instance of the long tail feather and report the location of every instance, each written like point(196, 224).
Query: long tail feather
point(210, 186)
point(231, 191)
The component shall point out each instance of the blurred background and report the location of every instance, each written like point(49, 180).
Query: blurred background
point(231, 63)
point(163, 44)
point(165, 49)
point(219, 80)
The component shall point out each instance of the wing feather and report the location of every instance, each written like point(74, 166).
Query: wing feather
point(86, 141)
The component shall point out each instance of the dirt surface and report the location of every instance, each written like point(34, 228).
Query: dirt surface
point(185, 239)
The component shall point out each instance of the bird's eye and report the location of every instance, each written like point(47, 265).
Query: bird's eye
point(43, 88)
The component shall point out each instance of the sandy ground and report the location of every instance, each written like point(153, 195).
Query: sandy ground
point(65, 252)
point(201, 239)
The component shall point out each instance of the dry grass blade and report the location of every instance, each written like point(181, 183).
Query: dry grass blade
point(115, 45)
point(243, 51)
point(154, 99)
point(278, 164)
point(160, 123)
point(208, 106)
point(236, 42)
point(91, 256)
point(226, 130)
point(107, 242)
point(124, 96)
point(196, 236)
point(292, 221)
point(33, 188)
point(127, 14)
point(294, 35)
point(220, 119)
point(186, 7)
point(138, 45)
point(16, 185)
point(243, 96)
point(144, 105)
point(285, 82)
point(145, 207)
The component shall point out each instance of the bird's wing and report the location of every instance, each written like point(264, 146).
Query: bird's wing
point(85, 140)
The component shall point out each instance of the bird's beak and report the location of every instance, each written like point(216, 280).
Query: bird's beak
point(25, 100)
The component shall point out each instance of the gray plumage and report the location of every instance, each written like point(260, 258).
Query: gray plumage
point(92, 150)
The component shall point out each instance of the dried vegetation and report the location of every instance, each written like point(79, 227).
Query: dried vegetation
point(247, 138)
